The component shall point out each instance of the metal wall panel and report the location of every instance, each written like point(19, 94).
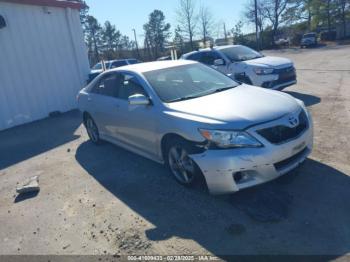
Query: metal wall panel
point(43, 62)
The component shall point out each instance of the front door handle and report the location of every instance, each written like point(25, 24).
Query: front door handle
point(89, 99)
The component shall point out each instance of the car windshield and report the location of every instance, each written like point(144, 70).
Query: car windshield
point(240, 53)
point(309, 35)
point(187, 82)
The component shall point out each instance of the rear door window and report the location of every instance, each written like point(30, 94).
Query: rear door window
point(209, 57)
point(108, 85)
point(118, 63)
point(195, 57)
point(132, 61)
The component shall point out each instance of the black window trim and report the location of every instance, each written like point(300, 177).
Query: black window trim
point(104, 76)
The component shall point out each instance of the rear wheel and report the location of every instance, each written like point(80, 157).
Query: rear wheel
point(181, 166)
point(92, 130)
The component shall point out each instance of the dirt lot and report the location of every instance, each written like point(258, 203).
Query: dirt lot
point(98, 200)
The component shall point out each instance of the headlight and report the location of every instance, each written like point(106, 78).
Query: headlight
point(263, 70)
point(302, 104)
point(226, 139)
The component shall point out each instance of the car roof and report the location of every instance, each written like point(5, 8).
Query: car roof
point(209, 49)
point(116, 60)
point(151, 66)
point(190, 53)
point(224, 46)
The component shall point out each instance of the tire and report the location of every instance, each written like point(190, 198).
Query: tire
point(92, 130)
point(180, 165)
point(243, 79)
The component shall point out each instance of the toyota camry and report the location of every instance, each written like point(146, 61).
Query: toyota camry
point(198, 122)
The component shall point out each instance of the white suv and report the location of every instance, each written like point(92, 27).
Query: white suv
point(247, 65)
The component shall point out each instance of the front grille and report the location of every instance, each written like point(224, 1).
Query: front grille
point(280, 134)
point(284, 70)
point(285, 75)
point(285, 79)
point(291, 160)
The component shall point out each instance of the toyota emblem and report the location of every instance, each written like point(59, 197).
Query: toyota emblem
point(293, 121)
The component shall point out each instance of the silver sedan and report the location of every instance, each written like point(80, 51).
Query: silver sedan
point(198, 122)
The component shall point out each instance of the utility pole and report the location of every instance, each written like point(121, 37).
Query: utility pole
point(137, 46)
point(256, 24)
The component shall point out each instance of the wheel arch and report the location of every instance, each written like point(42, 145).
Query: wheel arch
point(165, 142)
point(197, 146)
point(85, 116)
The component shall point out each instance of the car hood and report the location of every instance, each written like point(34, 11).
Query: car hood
point(270, 61)
point(236, 108)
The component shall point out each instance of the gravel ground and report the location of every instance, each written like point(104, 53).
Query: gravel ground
point(105, 200)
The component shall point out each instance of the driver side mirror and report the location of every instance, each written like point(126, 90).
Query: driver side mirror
point(138, 99)
point(219, 62)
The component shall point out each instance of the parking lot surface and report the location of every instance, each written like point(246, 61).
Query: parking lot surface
point(106, 200)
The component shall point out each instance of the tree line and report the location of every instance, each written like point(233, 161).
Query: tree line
point(103, 41)
point(277, 18)
point(107, 42)
point(196, 25)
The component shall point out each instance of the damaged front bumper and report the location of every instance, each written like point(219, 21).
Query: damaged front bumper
point(230, 170)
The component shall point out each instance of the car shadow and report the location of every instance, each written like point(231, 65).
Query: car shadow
point(308, 100)
point(309, 206)
point(23, 142)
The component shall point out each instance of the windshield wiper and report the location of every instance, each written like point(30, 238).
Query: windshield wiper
point(246, 58)
point(201, 94)
point(182, 98)
point(222, 89)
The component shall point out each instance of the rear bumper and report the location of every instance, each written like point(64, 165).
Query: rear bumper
point(253, 165)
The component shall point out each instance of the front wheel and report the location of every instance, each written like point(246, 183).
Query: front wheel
point(92, 130)
point(181, 166)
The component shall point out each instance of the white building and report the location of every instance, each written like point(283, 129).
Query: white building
point(43, 59)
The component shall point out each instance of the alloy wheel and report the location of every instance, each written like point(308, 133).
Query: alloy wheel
point(92, 130)
point(181, 165)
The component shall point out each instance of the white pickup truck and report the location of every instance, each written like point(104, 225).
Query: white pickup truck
point(247, 65)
